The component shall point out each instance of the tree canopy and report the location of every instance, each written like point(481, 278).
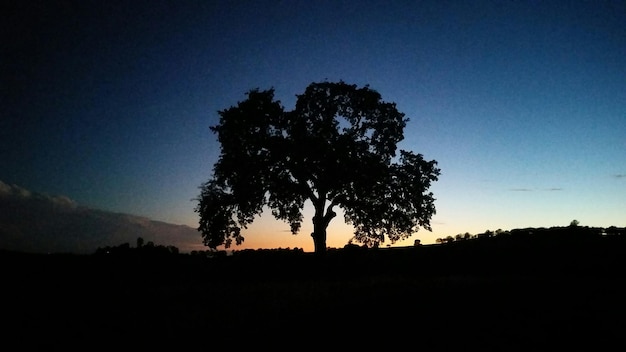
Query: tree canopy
point(337, 149)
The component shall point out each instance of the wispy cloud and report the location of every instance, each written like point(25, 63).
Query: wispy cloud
point(620, 176)
point(552, 189)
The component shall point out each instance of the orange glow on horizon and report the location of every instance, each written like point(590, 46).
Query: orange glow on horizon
point(268, 233)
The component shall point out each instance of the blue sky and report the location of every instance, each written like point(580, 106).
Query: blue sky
point(523, 104)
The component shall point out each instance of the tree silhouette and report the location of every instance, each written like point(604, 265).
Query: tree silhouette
point(337, 148)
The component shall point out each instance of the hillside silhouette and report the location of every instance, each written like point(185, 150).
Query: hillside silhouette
point(523, 289)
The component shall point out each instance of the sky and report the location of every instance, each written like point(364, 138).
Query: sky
point(522, 104)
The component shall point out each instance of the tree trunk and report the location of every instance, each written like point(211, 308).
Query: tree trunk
point(320, 224)
point(319, 234)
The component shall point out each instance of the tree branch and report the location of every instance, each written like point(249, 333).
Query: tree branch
point(330, 214)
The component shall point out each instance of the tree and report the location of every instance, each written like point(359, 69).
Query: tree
point(337, 148)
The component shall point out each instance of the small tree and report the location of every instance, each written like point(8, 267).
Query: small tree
point(337, 148)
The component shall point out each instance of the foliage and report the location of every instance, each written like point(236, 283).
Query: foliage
point(337, 148)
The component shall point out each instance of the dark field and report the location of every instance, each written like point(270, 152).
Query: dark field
point(497, 294)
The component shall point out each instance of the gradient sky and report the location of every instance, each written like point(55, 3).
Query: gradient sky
point(523, 104)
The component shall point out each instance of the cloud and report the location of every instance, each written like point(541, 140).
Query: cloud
point(63, 201)
point(4, 188)
point(553, 189)
point(620, 176)
point(40, 223)
point(16, 191)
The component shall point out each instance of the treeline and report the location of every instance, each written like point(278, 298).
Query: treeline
point(574, 228)
point(149, 248)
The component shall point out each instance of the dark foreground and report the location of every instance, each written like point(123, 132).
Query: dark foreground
point(439, 298)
